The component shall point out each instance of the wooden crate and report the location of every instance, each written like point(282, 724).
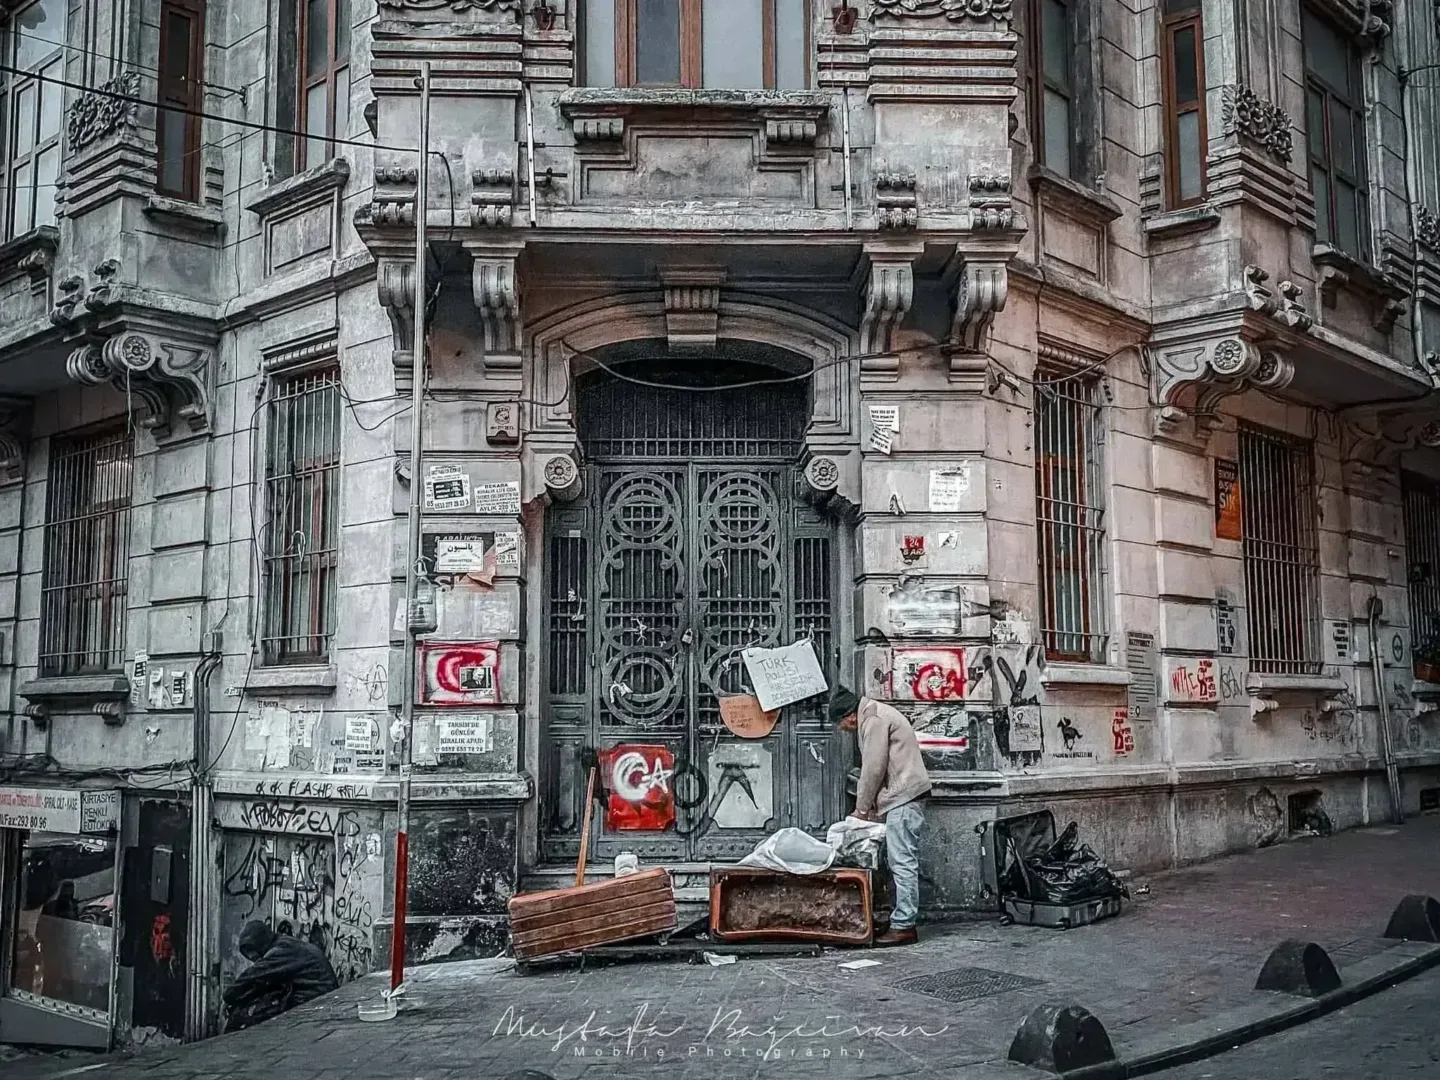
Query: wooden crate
point(751, 904)
point(567, 920)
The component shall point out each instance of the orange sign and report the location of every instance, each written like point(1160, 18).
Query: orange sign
point(1229, 525)
point(744, 717)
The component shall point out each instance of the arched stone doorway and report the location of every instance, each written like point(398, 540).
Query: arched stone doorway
point(692, 541)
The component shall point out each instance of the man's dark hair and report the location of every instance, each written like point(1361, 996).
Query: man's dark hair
point(842, 703)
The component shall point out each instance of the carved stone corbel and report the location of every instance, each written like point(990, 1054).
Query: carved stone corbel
point(395, 283)
point(692, 308)
point(889, 291)
point(563, 481)
point(1257, 295)
point(168, 378)
point(1211, 370)
point(1293, 312)
point(981, 287)
point(39, 714)
point(14, 437)
point(1374, 440)
point(821, 484)
point(1329, 283)
point(497, 296)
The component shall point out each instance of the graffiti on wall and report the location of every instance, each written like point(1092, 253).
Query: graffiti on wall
point(640, 785)
point(302, 872)
point(459, 673)
point(940, 674)
point(1193, 680)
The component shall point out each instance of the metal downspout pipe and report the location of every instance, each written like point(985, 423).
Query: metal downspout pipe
point(203, 937)
point(1374, 610)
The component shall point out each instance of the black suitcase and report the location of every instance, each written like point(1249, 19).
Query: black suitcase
point(1008, 841)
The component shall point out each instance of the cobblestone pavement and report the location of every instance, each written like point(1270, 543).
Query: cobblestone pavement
point(1387, 1037)
point(1187, 951)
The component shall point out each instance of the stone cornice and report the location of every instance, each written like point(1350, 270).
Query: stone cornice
point(953, 10)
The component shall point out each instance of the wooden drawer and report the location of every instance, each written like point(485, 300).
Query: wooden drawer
point(568, 920)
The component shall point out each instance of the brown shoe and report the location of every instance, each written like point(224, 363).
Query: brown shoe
point(897, 937)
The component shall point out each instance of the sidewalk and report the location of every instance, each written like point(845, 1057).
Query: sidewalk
point(1186, 954)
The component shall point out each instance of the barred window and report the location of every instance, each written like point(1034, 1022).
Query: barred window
point(1281, 550)
point(87, 555)
point(302, 517)
point(1422, 556)
point(1070, 517)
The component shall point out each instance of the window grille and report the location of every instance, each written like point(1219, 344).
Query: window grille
point(1070, 517)
point(87, 555)
point(302, 527)
point(1282, 553)
point(1422, 556)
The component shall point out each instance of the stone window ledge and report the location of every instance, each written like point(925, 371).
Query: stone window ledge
point(30, 253)
point(104, 695)
point(315, 680)
point(598, 113)
point(1264, 683)
point(1191, 219)
point(301, 188)
point(1078, 200)
point(1422, 690)
point(1341, 268)
point(190, 216)
point(1086, 675)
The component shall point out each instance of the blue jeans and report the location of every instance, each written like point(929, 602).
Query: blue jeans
point(902, 849)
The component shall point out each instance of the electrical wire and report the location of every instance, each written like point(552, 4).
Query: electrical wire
point(131, 66)
point(255, 125)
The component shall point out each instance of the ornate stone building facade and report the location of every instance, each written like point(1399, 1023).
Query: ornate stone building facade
point(1063, 371)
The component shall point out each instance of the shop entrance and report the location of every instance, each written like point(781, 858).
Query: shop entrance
point(689, 546)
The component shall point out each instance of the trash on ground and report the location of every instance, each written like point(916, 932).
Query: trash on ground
point(716, 960)
point(1040, 880)
point(856, 842)
point(856, 965)
point(791, 851)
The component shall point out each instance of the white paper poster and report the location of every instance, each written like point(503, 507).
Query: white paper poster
point(446, 488)
point(948, 488)
point(884, 426)
point(466, 735)
point(501, 498)
point(370, 761)
point(1025, 736)
point(459, 554)
point(507, 550)
point(359, 733)
point(139, 677)
point(785, 675)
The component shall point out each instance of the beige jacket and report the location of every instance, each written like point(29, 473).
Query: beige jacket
point(892, 772)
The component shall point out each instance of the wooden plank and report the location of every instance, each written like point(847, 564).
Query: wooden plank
point(558, 909)
point(628, 885)
point(660, 916)
point(566, 942)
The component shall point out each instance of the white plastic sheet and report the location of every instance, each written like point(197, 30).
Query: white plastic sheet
point(857, 841)
point(791, 851)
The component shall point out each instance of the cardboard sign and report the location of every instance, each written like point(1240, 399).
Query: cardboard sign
point(785, 675)
point(742, 714)
point(1229, 525)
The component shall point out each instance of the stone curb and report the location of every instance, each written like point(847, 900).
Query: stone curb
point(1277, 1014)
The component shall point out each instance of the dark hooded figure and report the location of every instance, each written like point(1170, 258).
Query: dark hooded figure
point(283, 972)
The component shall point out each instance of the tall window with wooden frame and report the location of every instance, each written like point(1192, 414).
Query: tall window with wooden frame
point(86, 574)
point(711, 44)
point(1183, 60)
point(181, 79)
point(1335, 126)
point(1281, 552)
point(34, 114)
point(302, 517)
point(1422, 557)
point(312, 82)
point(1053, 113)
point(1070, 516)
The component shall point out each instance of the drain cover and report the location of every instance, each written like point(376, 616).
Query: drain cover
point(965, 984)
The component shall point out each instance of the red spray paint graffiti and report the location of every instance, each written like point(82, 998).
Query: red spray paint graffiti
point(931, 675)
point(640, 780)
point(460, 673)
point(1122, 734)
point(161, 947)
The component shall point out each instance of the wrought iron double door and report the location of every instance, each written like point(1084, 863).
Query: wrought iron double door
point(658, 581)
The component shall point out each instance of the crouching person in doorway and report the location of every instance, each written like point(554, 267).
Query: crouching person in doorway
point(894, 787)
point(284, 972)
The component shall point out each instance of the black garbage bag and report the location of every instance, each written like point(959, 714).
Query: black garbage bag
point(1065, 872)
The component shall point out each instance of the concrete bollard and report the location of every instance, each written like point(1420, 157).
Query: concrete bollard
point(1417, 918)
point(1061, 1039)
point(1301, 968)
